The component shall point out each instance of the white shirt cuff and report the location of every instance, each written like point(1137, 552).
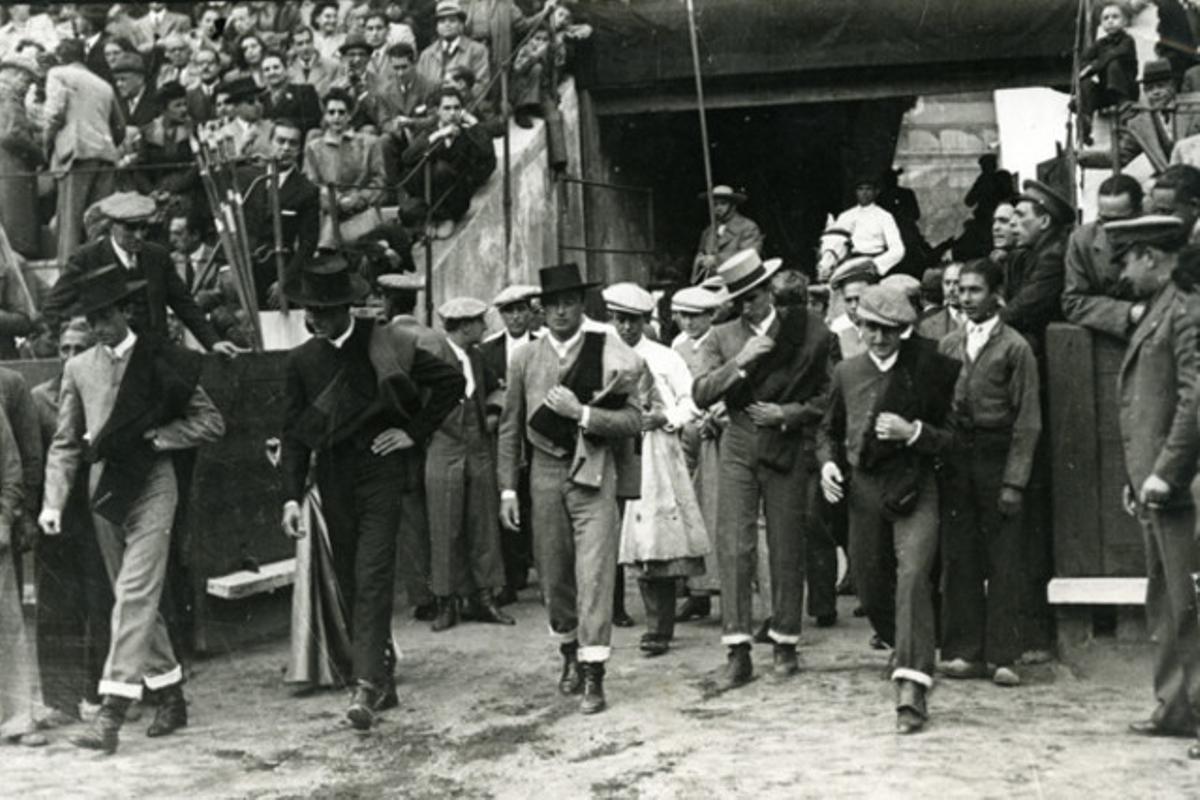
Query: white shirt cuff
point(585, 418)
point(508, 494)
point(916, 434)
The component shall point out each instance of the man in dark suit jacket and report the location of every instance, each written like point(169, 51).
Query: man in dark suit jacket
point(91, 19)
point(299, 210)
point(876, 445)
point(1033, 283)
point(1158, 404)
point(202, 98)
point(771, 367)
point(138, 100)
point(282, 100)
point(364, 399)
point(142, 261)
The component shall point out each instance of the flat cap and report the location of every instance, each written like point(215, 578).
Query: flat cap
point(887, 306)
point(628, 298)
point(695, 300)
point(128, 62)
point(905, 283)
point(517, 293)
point(1163, 231)
point(858, 268)
point(450, 8)
point(462, 308)
point(1048, 198)
point(127, 207)
point(401, 282)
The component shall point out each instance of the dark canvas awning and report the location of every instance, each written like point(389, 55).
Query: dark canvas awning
point(767, 51)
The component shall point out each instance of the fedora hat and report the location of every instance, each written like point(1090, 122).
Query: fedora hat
point(562, 278)
point(128, 62)
point(355, 41)
point(724, 192)
point(743, 271)
point(1157, 71)
point(327, 281)
point(240, 89)
point(103, 288)
point(450, 8)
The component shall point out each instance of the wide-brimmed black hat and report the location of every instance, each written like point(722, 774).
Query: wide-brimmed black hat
point(240, 89)
point(562, 278)
point(328, 280)
point(102, 288)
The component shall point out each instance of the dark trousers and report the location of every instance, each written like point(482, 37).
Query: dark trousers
point(516, 547)
point(820, 554)
point(74, 605)
point(362, 510)
point(1171, 559)
point(413, 549)
point(980, 545)
point(658, 596)
point(893, 564)
point(451, 190)
point(789, 502)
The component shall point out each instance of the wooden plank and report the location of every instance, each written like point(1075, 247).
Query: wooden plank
point(1122, 552)
point(1074, 454)
point(1097, 591)
point(244, 583)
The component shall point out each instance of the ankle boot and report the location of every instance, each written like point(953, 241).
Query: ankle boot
point(488, 611)
point(738, 669)
point(786, 663)
point(447, 615)
point(104, 732)
point(171, 714)
point(593, 687)
point(570, 682)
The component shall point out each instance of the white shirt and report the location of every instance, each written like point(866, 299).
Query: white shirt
point(511, 344)
point(977, 335)
point(465, 361)
point(128, 260)
point(841, 323)
point(121, 350)
point(873, 232)
point(562, 348)
point(345, 335)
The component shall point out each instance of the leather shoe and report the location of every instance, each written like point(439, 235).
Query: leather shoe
point(447, 614)
point(570, 681)
point(1148, 727)
point(506, 597)
point(786, 663)
point(362, 706)
point(653, 645)
point(910, 706)
point(104, 733)
point(171, 714)
point(621, 619)
point(486, 610)
point(739, 669)
point(593, 701)
point(697, 606)
point(1006, 676)
point(827, 620)
point(908, 721)
point(426, 612)
point(877, 643)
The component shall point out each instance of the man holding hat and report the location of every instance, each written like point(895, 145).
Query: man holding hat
point(1158, 406)
point(771, 368)
point(663, 536)
point(572, 409)
point(452, 48)
point(876, 445)
point(126, 405)
point(1033, 285)
point(460, 478)
point(145, 263)
point(84, 127)
point(873, 231)
point(516, 311)
point(734, 233)
point(364, 399)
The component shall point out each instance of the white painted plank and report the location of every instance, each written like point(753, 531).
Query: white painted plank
point(244, 583)
point(1097, 591)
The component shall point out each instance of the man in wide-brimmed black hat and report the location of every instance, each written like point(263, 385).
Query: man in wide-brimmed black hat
point(572, 407)
point(354, 398)
point(129, 437)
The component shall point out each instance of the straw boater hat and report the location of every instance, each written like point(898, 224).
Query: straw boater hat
point(628, 298)
point(695, 300)
point(745, 270)
point(517, 293)
point(562, 278)
point(724, 192)
point(400, 282)
point(327, 281)
point(859, 268)
point(886, 306)
point(103, 288)
point(462, 308)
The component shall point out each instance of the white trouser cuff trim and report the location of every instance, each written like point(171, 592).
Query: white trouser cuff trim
point(156, 682)
point(916, 676)
point(564, 638)
point(782, 638)
point(594, 653)
point(730, 639)
point(130, 691)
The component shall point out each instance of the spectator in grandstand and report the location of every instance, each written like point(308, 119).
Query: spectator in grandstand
point(1177, 192)
point(1109, 75)
point(326, 36)
point(295, 101)
point(532, 78)
point(356, 81)
point(139, 103)
point(460, 158)
point(165, 148)
point(247, 58)
point(402, 106)
point(478, 109)
point(20, 155)
point(1033, 281)
point(375, 32)
point(192, 256)
point(247, 135)
point(90, 21)
point(309, 66)
point(201, 97)
point(174, 61)
point(452, 48)
point(207, 33)
point(25, 25)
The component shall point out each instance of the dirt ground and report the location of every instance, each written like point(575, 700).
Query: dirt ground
point(480, 718)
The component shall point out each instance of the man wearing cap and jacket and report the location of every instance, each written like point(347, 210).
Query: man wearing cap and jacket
point(516, 547)
point(460, 479)
point(849, 281)
point(139, 102)
point(126, 405)
point(771, 367)
point(884, 425)
point(452, 49)
point(1158, 407)
point(734, 233)
point(364, 399)
point(1033, 283)
point(572, 409)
